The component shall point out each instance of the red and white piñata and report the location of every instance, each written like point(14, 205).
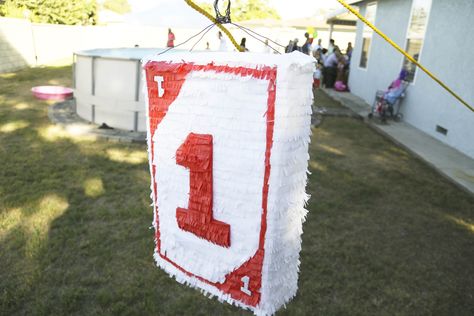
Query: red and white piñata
point(228, 137)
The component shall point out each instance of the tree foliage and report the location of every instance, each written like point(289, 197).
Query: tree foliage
point(117, 6)
point(242, 10)
point(253, 9)
point(76, 12)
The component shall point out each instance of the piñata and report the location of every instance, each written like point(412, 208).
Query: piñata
point(228, 137)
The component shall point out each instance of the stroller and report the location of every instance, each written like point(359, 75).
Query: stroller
point(387, 103)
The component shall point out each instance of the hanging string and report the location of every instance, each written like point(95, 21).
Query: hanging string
point(252, 31)
point(218, 21)
point(214, 21)
point(205, 30)
point(202, 37)
point(243, 29)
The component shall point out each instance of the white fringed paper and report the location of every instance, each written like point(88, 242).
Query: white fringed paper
point(256, 111)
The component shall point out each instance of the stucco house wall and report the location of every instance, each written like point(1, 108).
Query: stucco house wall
point(447, 52)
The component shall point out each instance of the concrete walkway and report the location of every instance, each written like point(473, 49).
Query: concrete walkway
point(449, 162)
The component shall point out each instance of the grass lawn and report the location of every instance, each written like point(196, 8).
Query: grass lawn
point(385, 234)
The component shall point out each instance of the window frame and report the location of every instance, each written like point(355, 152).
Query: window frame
point(407, 38)
point(364, 27)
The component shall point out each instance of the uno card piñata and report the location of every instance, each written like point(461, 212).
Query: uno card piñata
point(228, 137)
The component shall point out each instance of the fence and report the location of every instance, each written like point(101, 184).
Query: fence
point(25, 44)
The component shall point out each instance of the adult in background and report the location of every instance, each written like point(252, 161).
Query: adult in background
point(331, 46)
point(317, 46)
point(348, 62)
point(330, 68)
point(341, 79)
point(266, 48)
point(289, 47)
point(319, 56)
point(323, 55)
point(171, 39)
point(306, 48)
point(295, 46)
point(349, 51)
point(222, 42)
point(242, 45)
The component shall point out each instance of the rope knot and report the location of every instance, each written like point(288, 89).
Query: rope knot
point(222, 19)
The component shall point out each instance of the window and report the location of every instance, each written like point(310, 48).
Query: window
point(416, 34)
point(367, 33)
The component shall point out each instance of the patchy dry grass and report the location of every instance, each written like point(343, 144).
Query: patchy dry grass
point(385, 234)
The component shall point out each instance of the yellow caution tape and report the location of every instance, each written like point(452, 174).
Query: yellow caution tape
point(219, 25)
point(385, 37)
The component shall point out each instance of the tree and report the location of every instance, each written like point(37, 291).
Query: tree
point(242, 10)
point(118, 6)
point(77, 12)
point(253, 9)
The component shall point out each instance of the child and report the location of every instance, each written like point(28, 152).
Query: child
point(317, 76)
point(339, 84)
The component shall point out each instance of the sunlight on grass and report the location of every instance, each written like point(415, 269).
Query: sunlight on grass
point(320, 132)
point(94, 187)
point(382, 159)
point(317, 166)
point(7, 75)
point(61, 62)
point(34, 221)
point(461, 222)
point(134, 157)
point(388, 160)
point(22, 106)
point(380, 238)
point(37, 225)
point(13, 126)
point(331, 150)
point(9, 220)
point(54, 133)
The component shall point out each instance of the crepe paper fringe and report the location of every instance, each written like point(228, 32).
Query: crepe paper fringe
point(240, 97)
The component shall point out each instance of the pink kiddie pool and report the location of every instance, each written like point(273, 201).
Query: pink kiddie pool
point(52, 92)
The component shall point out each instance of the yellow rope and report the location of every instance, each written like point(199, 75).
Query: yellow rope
point(385, 37)
point(210, 17)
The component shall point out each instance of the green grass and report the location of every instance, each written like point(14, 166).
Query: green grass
point(324, 100)
point(385, 234)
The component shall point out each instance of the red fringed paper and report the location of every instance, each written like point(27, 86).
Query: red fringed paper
point(228, 137)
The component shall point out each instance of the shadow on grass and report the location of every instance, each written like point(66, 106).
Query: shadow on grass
point(385, 234)
point(74, 219)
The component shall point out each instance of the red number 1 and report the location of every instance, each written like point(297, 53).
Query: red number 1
point(196, 155)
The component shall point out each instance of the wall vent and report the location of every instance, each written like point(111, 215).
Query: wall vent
point(441, 130)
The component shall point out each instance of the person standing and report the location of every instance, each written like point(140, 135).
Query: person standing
point(295, 46)
point(306, 48)
point(317, 46)
point(171, 38)
point(242, 45)
point(330, 68)
point(266, 47)
point(349, 50)
point(289, 47)
point(331, 46)
point(222, 42)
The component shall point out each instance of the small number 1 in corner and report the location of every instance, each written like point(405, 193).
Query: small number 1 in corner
point(245, 288)
point(159, 80)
